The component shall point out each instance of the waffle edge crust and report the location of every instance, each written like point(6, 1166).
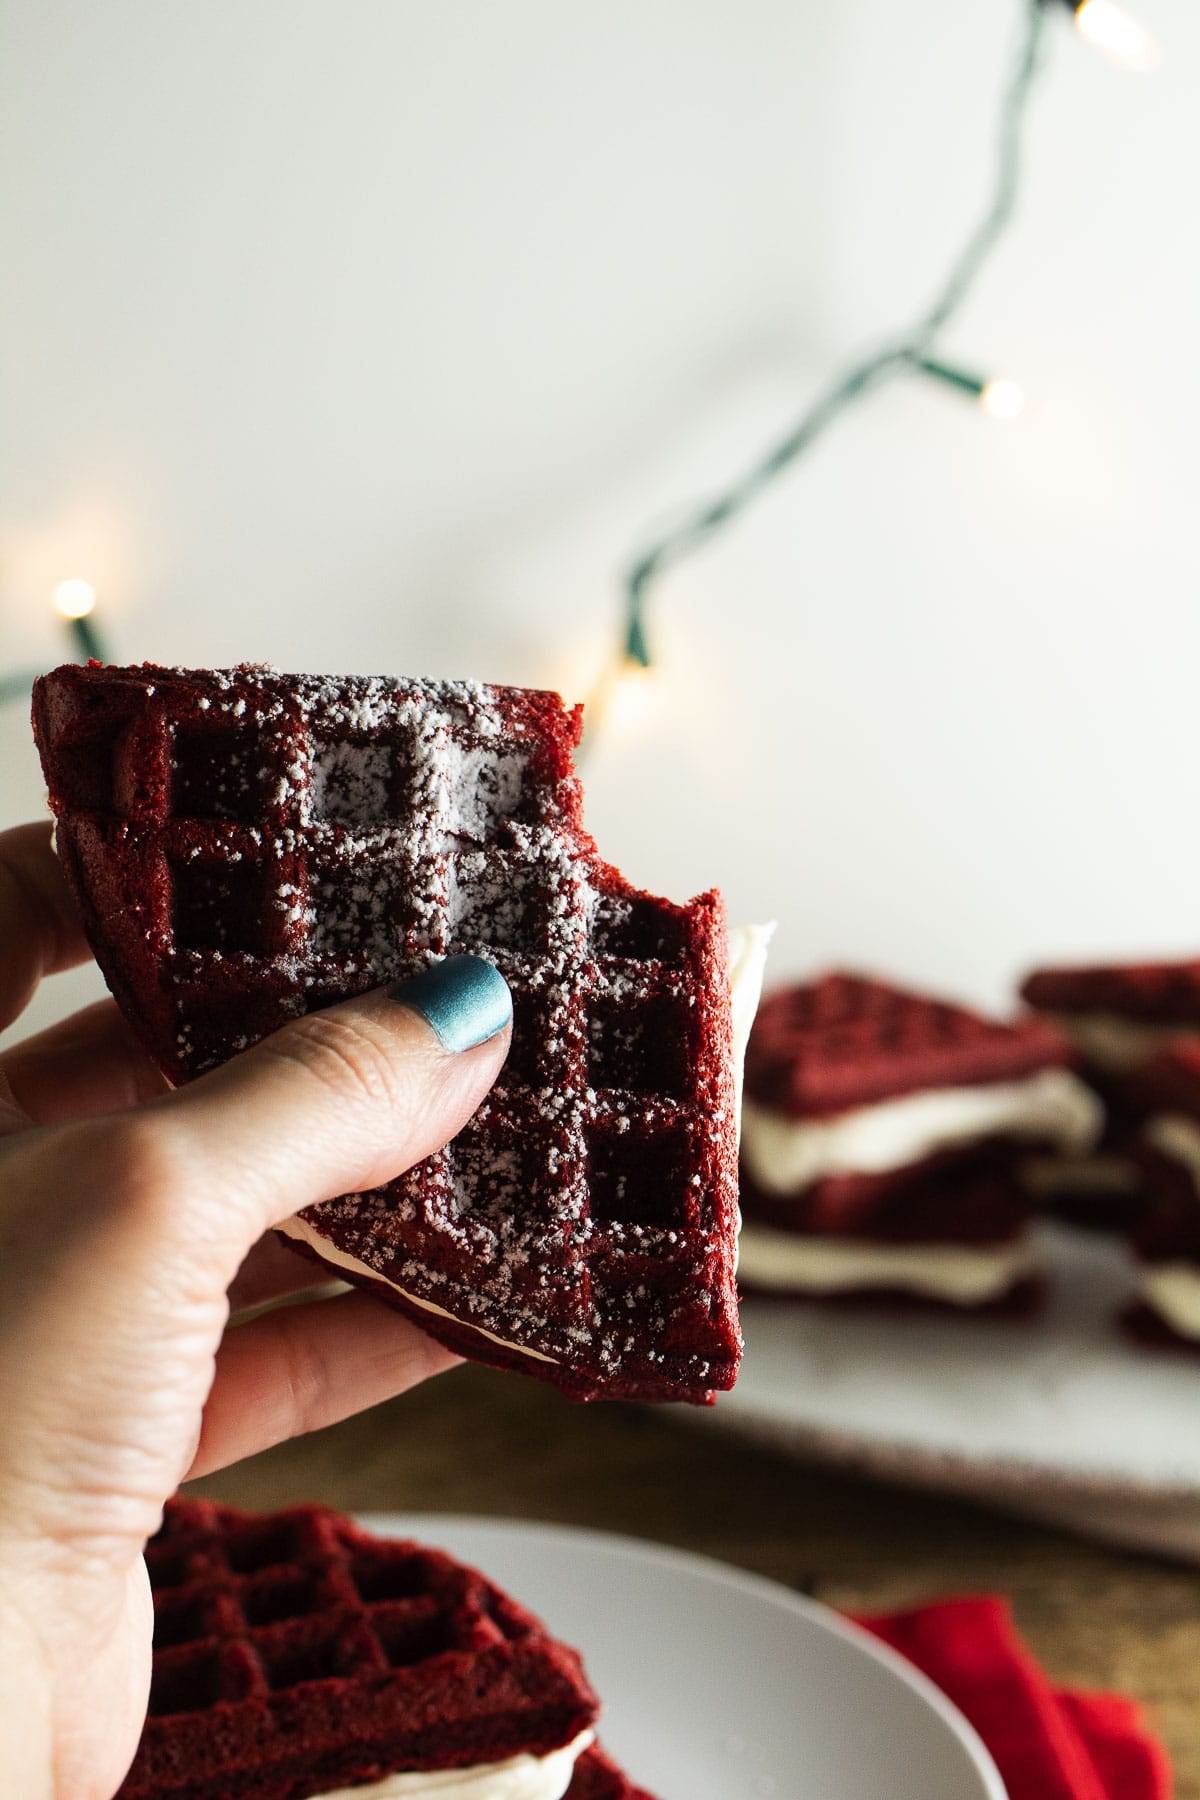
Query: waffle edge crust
point(846, 1041)
point(247, 846)
point(294, 1653)
point(1165, 993)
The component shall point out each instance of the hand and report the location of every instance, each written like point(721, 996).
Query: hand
point(131, 1219)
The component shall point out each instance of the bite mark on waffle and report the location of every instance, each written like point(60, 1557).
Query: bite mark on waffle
point(248, 846)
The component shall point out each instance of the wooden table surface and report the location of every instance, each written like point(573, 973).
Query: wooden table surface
point(478, 1442)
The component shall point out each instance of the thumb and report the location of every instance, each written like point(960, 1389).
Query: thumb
point(342, 1099)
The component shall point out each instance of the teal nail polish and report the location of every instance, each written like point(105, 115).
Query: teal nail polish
point(465, 999)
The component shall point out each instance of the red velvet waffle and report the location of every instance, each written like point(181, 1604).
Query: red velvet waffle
point(1104, 1191)
point(953, 1198)
point(1157, 993)
point(1115, 1014)
point(845, 1041)
point(246, 846)
point(1169, 1081)
point(295, 1654)
point(951, 1202)
point(839, 1206)
point(597, 1777)
point(1168, 1088)
point(1166, 1237)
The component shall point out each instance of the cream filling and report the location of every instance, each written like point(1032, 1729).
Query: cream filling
point(747, 966)
point(785, 1154)
point(1172, 1290)
point(747, 962)
point(296, 1227)
point(1179, 1138)
point(521, 1777)
point(1114, 1043)
point(791, 1262)
point(1046, 1176)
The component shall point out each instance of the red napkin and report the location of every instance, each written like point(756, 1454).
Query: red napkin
point(1048, 1744)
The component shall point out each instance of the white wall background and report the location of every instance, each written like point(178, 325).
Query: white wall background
point(374, 335)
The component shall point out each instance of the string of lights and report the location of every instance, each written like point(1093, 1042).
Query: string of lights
point(911, 350)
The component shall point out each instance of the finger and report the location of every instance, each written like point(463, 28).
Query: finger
point(337, 1101)
point(39, 927)
point(296, 1370)
point(88, 1064)
point(271, 1271)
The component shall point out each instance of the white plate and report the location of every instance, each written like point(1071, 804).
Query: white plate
point(719, 1685)
point(1057, 1414)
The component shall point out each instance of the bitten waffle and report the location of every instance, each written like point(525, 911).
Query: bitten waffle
point(295, 1655)
point(246, 846)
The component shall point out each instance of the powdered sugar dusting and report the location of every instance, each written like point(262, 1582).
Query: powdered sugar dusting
point(489, 786)
point(351, 783)
point(322, 836)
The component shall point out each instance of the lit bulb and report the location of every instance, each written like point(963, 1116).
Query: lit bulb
point(1002, 399)
point(1104, 24)
point(631, 700)
point(75, 599)
point(623, 703)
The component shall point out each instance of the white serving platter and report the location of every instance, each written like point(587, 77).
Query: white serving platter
point(1057, 1415)
point(716, 1683)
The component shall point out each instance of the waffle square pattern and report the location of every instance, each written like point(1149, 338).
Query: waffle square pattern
point(846, 1041)
point(248, 846)
point(294, 1654)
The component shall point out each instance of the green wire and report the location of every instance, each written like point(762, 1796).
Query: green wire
point(965, 380)
point(910, 349)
